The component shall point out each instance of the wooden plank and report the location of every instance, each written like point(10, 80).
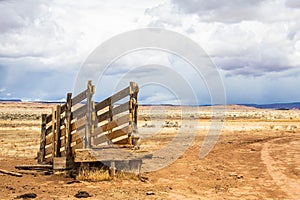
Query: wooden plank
point(80, 132)
point(117, 110)
point(29, 167)
point(49, 139)
point(81, 115)
point(48, 118)
point(103, 104)
point(113, 124)
point(49, 130)
point(60, 163)
point(76, 136)
point(123, 141)
point(77, 146)
point(111, 100)
point(77, 125)
point(78, 141)
point(79, 112)
point(113, 135)
point(107, 154)
point(48, 150)
point(121, 108)
point(80, 97)
point(3, 171)
point(58, 132)
point(41, 154)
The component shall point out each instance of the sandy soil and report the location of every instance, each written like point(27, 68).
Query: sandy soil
point(256, 157)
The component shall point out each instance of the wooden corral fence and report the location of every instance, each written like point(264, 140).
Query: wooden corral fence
point(81, 124)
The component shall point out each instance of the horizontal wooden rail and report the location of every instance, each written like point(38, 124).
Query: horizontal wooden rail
point(49, 139)
point(117, 110)
point(112, 124)
point(113, 99)
point(80, 112)
point(49, 150)
point(113, 135)
point(79, 98)
point(49, 130)
point(48, 118)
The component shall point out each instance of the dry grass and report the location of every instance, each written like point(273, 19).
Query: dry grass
point(126, 176)
point(103, 175)
point(97, 175)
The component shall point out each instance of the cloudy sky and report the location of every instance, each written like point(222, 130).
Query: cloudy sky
point(255, 45)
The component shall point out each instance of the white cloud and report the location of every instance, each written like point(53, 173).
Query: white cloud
point(239, 10)
point(292, 3)
point(43, 43)
point(165, 13)
point(244, 37)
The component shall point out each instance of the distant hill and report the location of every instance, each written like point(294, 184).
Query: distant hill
point(10, 100)
point(278, 106)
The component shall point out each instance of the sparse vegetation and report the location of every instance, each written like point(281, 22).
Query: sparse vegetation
point(97, 175)
point(103, 175)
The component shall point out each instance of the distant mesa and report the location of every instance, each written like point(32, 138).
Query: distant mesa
point(10, 100)
point(20, 100)
point(277, 106)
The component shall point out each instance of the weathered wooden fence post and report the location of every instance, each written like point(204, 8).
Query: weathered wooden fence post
point(68, 149)
point(94, 123)
point(89, 125)
point(134, 89)
point(135, 96)
point(112, 168)
point(53, 124)
point(41, 156)
point(58, 132)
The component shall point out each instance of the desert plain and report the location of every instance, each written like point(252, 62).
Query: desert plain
point(256, 156)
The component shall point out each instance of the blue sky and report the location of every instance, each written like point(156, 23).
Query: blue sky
point(254, 44)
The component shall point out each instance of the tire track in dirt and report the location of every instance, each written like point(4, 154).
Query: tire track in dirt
point(290, 186)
